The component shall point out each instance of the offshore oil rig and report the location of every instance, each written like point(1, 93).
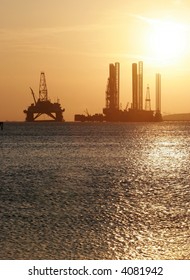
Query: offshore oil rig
point(43, 105)
point(136, 113)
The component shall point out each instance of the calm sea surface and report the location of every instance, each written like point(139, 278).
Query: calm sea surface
point(95, 191)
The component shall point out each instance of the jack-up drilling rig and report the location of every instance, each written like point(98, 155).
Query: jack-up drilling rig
point(43, 105)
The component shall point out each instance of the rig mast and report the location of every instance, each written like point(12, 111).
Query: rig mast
point(147, 100)
point(158, 115)
point(140, 85)
point(137, 86)
point(43, 105)
point(134, 87)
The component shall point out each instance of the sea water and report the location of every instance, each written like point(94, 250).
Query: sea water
point(95, 190)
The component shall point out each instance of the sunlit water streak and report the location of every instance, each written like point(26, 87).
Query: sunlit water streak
point(95, 191)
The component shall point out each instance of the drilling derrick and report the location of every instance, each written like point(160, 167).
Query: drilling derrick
point(43, 93)
point(43, 106)
point(112, 92)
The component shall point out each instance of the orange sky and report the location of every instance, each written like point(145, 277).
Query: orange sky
point(73, 42)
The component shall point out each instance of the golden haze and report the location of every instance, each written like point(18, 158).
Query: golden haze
point(74, 41)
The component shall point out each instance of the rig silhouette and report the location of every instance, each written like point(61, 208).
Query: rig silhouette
point(112, 111)
point(43, 105)
point(136, 113)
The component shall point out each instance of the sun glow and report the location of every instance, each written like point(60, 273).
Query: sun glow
point(168, 40)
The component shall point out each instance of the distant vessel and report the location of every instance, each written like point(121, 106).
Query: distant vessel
point(43, 105)
point(120, 116)
point(90, 118)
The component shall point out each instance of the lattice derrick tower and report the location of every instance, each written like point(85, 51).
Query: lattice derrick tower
point(43, 105)
point(148, 100)
point(43, 93)
point(112, 90)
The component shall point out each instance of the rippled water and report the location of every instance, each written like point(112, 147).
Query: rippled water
point(95, 191)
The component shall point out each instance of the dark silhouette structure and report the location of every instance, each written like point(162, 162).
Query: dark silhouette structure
point(137, 86)
point(148, 100)
point(158, 115)
point(140, 85)
point(89, 118)
point(43, 105)
point(112, 92)
point(135, 103)
point(136, 113)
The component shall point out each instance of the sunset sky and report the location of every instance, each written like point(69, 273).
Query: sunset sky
point(74, 41)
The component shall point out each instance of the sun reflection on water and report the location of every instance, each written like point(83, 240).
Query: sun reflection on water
point(158, 200)
point(115, 191)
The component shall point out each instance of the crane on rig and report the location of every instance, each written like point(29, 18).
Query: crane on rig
point(43, 106)
point(33, 95)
